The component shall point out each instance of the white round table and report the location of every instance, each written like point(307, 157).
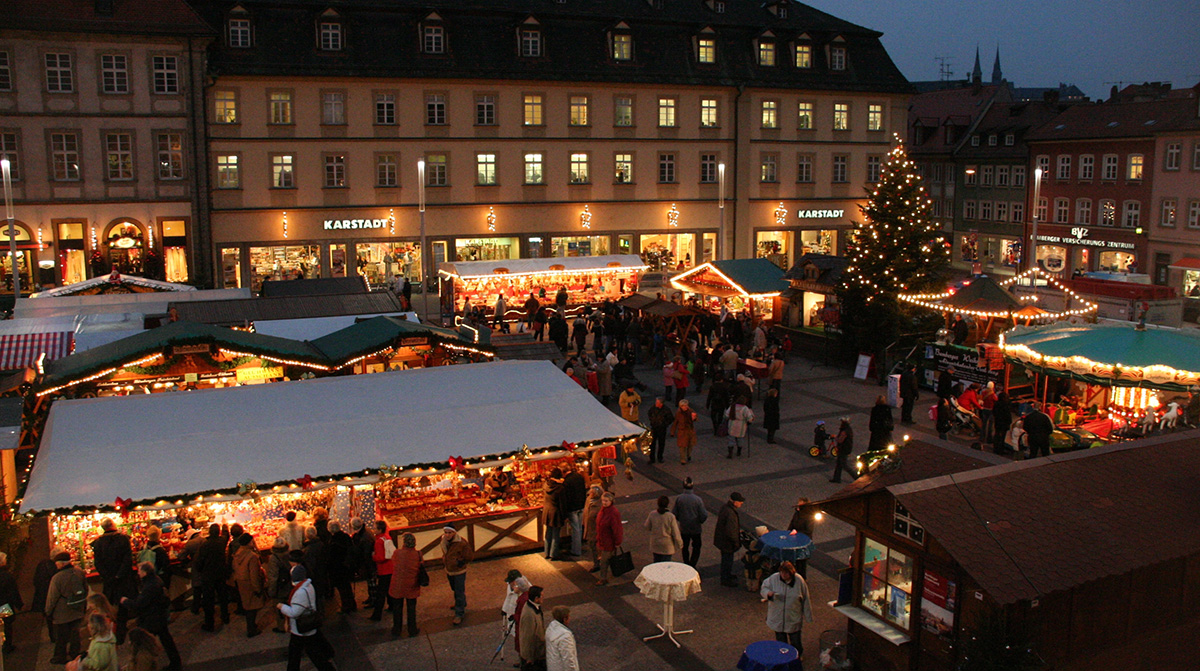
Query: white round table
point(668, 582)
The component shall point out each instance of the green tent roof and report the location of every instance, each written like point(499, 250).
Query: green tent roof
point(372, 335)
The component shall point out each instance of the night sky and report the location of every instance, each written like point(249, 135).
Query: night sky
point(1087, 43)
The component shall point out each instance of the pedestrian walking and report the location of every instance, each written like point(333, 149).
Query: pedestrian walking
point(880, 424)
point(684, 430)
point(668, 379)
point(717, 401)
point(552, 513)
point(112, 554)
point(574, 497)
point(788, 607)
point(561, 654)
point(609, 534)
point(909, 392)
point(771, 414)
point(456, 555)
point(691, 515)
point(661, 418)
point(665, 538)
point(405, 587)
point(316, 562)
point(152, 608)
point(987, 406)
point(630, 403)
point(532, 636)
point(248, 578)
point(682, 379)
point(381, 555)
point(844, 442)
point(590, 510)
point(303, 601)
point(740, 418)
point(515, 585)
point(210, 566)
point(65, 607)
point(10, 595)
point(727, 536)
point(775, 371)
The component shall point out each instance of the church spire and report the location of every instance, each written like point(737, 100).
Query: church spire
point(997, 75)
point(977, 73)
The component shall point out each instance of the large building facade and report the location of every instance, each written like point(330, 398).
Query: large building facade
point(545, 129)
point(98, 104)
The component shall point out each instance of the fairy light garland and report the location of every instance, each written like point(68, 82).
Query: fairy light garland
point(391, 221)
point(491, 219)
point(929, 300)
point(781, 214)
point(285, 225)
point(709, 266)
point(673, 215)
point(585, 217)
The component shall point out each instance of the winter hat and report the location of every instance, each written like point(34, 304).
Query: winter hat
point(245, 539)
point(449, 529)
point(736, 496)
point(299, 574)
point(513, 574)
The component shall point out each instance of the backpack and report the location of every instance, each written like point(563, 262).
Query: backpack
point(78, 592)
point(149, 555)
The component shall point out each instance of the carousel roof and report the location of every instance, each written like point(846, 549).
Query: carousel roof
point(983, 294)
point(469, 269)
point(732, 277)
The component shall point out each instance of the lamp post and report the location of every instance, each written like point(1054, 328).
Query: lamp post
point(1037, 203)
point(6, 168)
point(721, 207)
point(424, 257)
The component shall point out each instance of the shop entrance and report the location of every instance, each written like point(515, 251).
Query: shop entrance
point(125, 241)
point(72, 257)
point(174, 242)
point(25, 246)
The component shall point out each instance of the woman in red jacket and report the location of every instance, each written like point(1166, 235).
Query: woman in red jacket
point(609, 533)
point(384, 549)
point(405, 587)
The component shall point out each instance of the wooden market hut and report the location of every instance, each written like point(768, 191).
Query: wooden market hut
point(753, 284)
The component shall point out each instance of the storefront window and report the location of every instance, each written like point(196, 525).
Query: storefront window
point(776, 246)
point(125, 241)
point(535, 248)
point(1191, 283)
point(72, 258)
point(1118, 262)
point(231, 267)
point(380, 262)
point(624, 244)
point(887, 583)
point(337, 260)
point(710, 247)
point(486, 249)
point(968, 247)
point(818, 242)
point(1052, 258)
point(1010, 253)
point(174, 241)
point(583, 245)
point(23, 257)
point(289, 262)
point(669, 251)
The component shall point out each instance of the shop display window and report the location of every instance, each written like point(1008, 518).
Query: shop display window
point(581, 245)
point(1052, 258)
point(486, 249)
point(1191, 283)
point(174, 241)
point(337, 260)
point(968, 247)
point(887, 583)
point(819, 242)
point(284, 262)
point(1118, 262)
point(710, 247)
point(125, 242)
point(72, 257)
point(231, 267)
point(1010, 253)
point(380, 262)
point(775, 246)
point(669, 251)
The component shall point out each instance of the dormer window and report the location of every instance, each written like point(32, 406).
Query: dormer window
point(433, 39)
point(239, 33)
point(531, 42)
point(803, 56)
point(622, 46)
point(706, 49)
point(766, 52)
point(837, 58)
point(330, 36)
point(974, 140)
point(992, 140)
point(781, 11)
point(719, 6)
point(1009, 140)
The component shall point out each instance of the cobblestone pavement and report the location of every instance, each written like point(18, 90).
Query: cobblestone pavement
point(609, 622)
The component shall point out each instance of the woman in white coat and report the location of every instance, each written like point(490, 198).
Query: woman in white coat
point(561, 654)
point(665, 538)
point(788, 606)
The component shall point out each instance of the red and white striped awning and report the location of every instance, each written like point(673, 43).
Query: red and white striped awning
point(20, 350)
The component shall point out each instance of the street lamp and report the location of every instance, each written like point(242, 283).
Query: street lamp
point(424, 257)
point(1037, 203)
point(5, 168)
point(721, 206)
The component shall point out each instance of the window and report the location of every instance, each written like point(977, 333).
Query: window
point(225, 103)
point(992, 140)
point(170, 155)
point(623, 168)
point(579, 169)
point(1108, 213)
point(8, 150)
point(840, 163)
point(239, 33)
point(434, 40)
point(803, 56)
point(974, 140)
point(986, 176)
point(435, 170)
point(938, 172)
point(1009, 139)
point(623, 111)
point(1167, 217)
point(531, 42)
point(59, 76)
point(579, 110)
point(1042, 209)
point(1132, 217)
point(1172, 157)
point(1110, 168)
point(333, 108)
point(166, 74)
point(708, 169)
point(335, 171)
point(533, 110)
point(1064, 167)
point(6, 80)
point(874, 168)
point(706, 50)
point(1018, 173)
point(1083, 211)
point(666, 168)
point(971, 175)
point(1043, 162)
point(622, 47)
point(386, 171)
point(228, 174)
point(1087, 166)
point(1002, 175)
point(282, 174)
point(118, 156)
point(64, 151)
point(1001, 211)
point(533, 169)
point(837, 58)
point(1062, 210)
point(435, 109)
point(114, 73)
point(769, 168)
point(841, 116)
point(874, 117)
point(1194, 214)
point(666, 112)
point(985, 210)
point(886, 582)
point(804, 118)
point(281, 107)
point(1018, 213)
point(485, 169)
point(1135, 167)
point(330, 36)
point(904, 525)
point(804, 168)
point(770, 114)
point(485, 110)
point(936, 209)
point(1196, 156)
point(766, 53)
point(968, 209)
point(385, 109)
point(708, 112)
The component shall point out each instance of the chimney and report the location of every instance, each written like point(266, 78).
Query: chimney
point(104, 7)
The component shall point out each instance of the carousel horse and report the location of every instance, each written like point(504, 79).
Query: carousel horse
point(1171, 417)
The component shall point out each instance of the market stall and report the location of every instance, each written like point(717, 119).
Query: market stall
point(588, 279)
point(738, 284)
point(383, 446)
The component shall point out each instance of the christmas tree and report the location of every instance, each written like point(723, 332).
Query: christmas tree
point(898, 250)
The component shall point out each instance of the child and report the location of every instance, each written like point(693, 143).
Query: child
point(144, 650)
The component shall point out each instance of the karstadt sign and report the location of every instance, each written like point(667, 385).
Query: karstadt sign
point(820, 214)
point(354, 224)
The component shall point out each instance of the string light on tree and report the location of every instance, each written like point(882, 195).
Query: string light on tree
point(673, 215)
point(491, 219)
point(781, 214)
point(585, 217)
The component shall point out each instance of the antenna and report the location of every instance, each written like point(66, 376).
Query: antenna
point(1119, 84)
point(945, 72)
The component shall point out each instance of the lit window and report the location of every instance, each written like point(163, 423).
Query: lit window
point(837, 58)
point(708, 168)
point(803, 56)
point(970, 175)
point(59, 75)
point(766, 54)
point(114, 73)
point(435, 109)
point(623, 168)
point(887, 578)
point(435, 170)
point(706, 50)
point(385, 109)
point(623, 111)
point(579, 110)
point(666, 168)
point(534, 173)
point(485, 110)
point(840, 168)
point(170, 155)
point(239, 33)
point(622, 47)
point(118, 149)
point(335, 171)
point(770, 114)
point(281, 107)
point(531, 42)
point(434, 41)
point(228, 174)
point(841, 116)
point(166, 74)
point(708, 112)
point(386, 170)
point(333, 108)
point(533, 110)
point(579, 169)
point(1108, 212)
point(874, 117)
point(485, 169)
point(805, 118)
point(331, 36)
point(874, 168)
point(666, 112)
point(225, 103)
point(804, 169)
point(1135, 166)
point(769, 169)
point(282, 174)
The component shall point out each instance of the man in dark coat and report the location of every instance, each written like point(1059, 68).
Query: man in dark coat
point(574, 498)
point(364, 553)
point(909, 392)
point(151, 607)
point(315, 563)
point(1002, 419)
point(43, 573)
point(340, 565)
point(113, 556)
point(558, 331)
point(210, 567)
point(959, 329)
point(660, 417)
point(9, 594)
point(726, 537)
point(880, 424)
point(771, 414)
point(1038, 428)
point(717, 401)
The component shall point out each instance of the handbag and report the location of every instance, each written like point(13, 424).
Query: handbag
point(422, 576)
point(621, 562)
point(309, 620)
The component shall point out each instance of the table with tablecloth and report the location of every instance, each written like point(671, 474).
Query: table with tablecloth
point(668, 582)
point(770, 656)
point(786, 546)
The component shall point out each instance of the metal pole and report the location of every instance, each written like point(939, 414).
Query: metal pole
point(1037, 199)
point(721, 206)
point(424, 253)
point(5, 168)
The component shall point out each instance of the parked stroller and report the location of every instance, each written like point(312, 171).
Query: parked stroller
point(964, 421)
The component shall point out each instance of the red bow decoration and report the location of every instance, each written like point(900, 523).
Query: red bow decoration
point(305, 482)
point(122, 505)
point(569, 447)
point(457, 463)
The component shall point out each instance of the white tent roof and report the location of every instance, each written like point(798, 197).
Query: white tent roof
point(528, 266)
point(316, 327)
point(151, 302)
point(178, 443)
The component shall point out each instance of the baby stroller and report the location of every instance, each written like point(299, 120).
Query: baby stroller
point(964, 421)
point(822, 446)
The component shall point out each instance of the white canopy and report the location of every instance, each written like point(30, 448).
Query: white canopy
point(174, 444)
point(543, 265)
point(151, 302)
